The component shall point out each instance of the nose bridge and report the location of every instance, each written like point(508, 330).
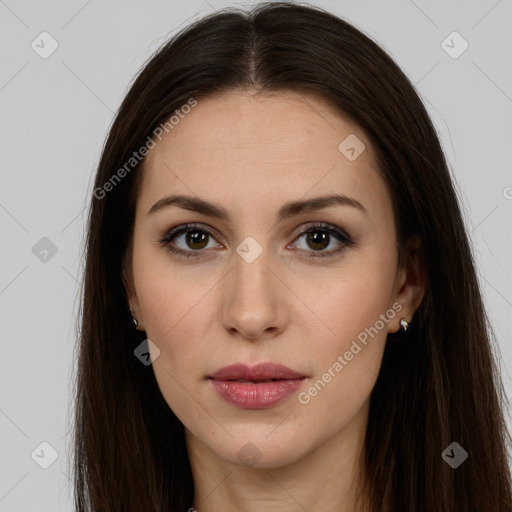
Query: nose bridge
point(252, 300)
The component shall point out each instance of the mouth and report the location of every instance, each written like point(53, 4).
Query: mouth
point(257, 387)
point(255, 381)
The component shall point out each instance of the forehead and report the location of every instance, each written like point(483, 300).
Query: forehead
point(282, 145)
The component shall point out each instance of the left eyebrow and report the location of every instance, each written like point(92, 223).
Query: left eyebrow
point(289, 209)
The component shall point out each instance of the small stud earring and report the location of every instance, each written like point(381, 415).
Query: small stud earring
point(404, 324)
point(138, 326)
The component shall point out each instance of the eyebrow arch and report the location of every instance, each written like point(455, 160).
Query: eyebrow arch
point(287, 210)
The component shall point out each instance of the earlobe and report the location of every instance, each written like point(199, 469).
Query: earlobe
point(133, 304)
point(137, 324)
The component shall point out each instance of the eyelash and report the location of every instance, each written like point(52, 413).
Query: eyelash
point(340, 235)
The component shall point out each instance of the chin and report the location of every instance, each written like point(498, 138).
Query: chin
point(258, 452)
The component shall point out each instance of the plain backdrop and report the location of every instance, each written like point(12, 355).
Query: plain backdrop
point(55, 113)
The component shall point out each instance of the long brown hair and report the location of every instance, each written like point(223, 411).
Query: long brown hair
point(438, 383)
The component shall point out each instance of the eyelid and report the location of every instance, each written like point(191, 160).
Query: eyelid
point(170, 233)
point(321, 226)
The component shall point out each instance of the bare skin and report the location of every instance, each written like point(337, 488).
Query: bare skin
point(251, 154)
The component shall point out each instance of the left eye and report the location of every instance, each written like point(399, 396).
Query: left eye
point(318, 238)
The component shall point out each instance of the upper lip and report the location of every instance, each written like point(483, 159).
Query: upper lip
point(261, 371)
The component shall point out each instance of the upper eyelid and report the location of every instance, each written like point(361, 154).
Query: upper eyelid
point(183, 228)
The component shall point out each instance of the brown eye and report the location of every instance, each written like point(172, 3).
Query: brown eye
point(195, 239)
point(187, 240)
point(319, 237)
point(317, 240)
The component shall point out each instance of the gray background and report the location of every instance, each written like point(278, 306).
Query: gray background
point(55, 113)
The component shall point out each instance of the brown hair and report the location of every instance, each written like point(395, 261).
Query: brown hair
point(438, 383)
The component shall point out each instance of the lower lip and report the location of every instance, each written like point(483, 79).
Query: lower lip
point(248, 395)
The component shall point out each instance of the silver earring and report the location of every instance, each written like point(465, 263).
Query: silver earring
point(404, 324)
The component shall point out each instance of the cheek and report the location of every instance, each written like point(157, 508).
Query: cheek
point(175, 306)
point(355, 313)
point(176, 324)
point(173, 317)
point(166, 296)
point(352, 304)
point(347, 362)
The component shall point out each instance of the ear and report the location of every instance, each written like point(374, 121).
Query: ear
point(410, 282)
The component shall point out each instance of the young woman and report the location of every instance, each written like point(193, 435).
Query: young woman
point(280, 305)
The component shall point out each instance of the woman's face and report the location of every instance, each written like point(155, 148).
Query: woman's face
point(256, 288)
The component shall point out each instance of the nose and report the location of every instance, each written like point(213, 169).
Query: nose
point(254, 306)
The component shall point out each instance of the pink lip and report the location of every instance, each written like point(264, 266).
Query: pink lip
point(257, 394)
